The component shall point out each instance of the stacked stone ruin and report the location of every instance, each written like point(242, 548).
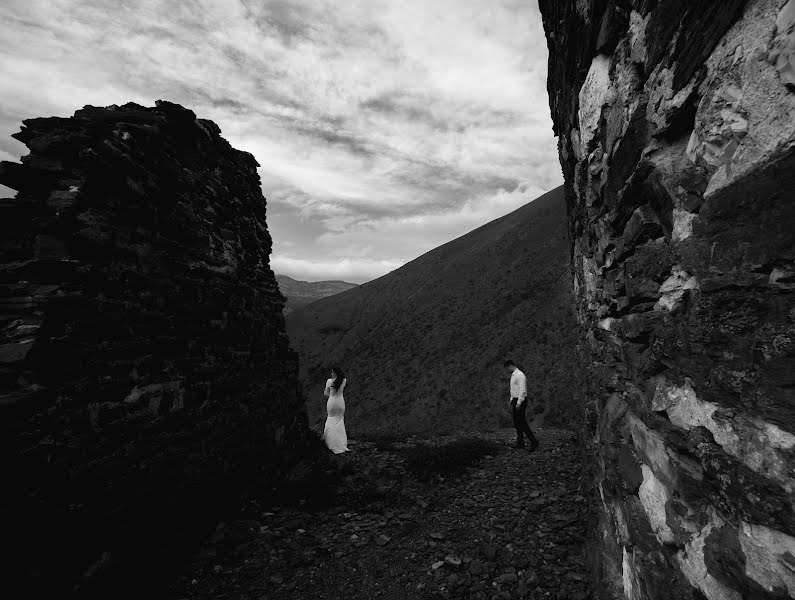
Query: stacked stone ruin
point(146, 372)
point(676, 128)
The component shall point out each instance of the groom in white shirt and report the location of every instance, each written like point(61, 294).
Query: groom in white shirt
point(519, 406)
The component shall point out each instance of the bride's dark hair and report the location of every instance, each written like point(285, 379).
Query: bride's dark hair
point(340, 377)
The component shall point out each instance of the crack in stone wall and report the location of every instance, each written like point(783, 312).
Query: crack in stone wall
point(676, 132)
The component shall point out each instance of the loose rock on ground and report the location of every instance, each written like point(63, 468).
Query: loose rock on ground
point(461, 516)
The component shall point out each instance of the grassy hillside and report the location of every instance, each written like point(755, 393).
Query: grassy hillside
point(300, 293)
point(423, 346)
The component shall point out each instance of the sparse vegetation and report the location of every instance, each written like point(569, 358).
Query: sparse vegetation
point(439, 328)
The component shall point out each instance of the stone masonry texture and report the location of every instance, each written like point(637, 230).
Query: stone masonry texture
point(145, 374)
point(676, 130)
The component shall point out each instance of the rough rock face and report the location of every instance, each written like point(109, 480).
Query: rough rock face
point(676, 125)
point(144, 367)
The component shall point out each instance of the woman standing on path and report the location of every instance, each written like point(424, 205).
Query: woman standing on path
point(334, 432)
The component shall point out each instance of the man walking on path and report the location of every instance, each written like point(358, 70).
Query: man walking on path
point(519, 407)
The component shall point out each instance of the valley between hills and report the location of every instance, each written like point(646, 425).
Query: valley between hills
point(300, 293)
point(423, 346)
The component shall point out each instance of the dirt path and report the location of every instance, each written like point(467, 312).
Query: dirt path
point(461, 516)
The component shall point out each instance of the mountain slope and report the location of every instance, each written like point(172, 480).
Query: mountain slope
point(423, 346)
point(300, 293)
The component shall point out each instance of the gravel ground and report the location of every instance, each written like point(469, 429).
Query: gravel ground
point(462, 516)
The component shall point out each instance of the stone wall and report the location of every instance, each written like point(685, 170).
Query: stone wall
point(145, 373)
point(676, 129)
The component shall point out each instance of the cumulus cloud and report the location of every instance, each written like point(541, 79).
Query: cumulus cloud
point(353, 253)
point(383, 127)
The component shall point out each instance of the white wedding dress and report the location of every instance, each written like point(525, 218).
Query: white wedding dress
point(334, 432)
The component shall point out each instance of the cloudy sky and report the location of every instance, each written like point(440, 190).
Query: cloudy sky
point(384, 127)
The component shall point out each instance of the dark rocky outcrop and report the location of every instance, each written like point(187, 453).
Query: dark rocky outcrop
point(145, 374)
point(676, 125)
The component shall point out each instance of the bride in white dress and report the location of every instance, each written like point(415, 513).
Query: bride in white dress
point(334, 431)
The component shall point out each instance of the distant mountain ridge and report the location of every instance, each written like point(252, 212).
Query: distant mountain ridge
point(300, 293)
point(423, 346)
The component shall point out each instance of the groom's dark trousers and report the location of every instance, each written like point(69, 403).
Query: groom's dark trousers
point(520, 422)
